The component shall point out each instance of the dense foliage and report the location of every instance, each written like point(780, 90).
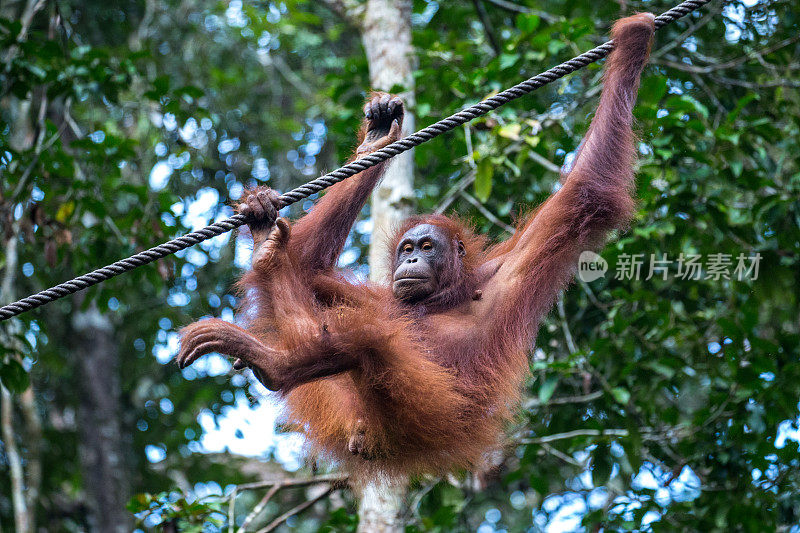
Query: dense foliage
point(668, 403)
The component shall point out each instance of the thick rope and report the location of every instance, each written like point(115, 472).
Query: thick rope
point(350, 169)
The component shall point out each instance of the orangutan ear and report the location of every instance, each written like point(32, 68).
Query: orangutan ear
point(462, 251)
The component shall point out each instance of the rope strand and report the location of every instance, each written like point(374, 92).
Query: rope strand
point(350, 169)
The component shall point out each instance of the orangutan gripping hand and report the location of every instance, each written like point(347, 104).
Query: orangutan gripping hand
point(279, 262)
point(384, 114)
point(261, 207)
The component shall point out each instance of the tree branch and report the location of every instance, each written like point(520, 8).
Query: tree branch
point(349, 10)
point(546, 163)
point(730, 63)
point(259, 507)
point(576, 433)
point(647, 433)
point(711, 96)
point(299, 482)
point(563, 456)
point(232, 510)
point(485, 212)
point(516, 8)
point(705, 19)
point(573, 348)
point(534, 402)
point(488, 28)
point(26, 19)
point(278, 63)
point(295, 510)
point(755, 85)
point(455, 191)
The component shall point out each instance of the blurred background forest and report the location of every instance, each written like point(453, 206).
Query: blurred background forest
point(653, 404)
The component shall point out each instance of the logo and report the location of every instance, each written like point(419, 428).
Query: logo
point(591, 266)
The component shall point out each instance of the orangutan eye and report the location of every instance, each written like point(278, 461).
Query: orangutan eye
point(407, 249)
point(427, 246)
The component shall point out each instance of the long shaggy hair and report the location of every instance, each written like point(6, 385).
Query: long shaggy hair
point(420, 413)
point(431, 385)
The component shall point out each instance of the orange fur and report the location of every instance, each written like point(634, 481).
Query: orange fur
point(431, 383)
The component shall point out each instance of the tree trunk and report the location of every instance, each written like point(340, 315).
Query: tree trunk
point(101, 442)
point(386, 34)
point(25, 482)
point(380, 507)
point(23, 515)
point(23, 519)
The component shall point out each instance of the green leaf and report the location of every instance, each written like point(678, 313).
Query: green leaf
point(483, 180)
point(161, 85)
point(508, 60)
point(423, 109)
point(13, 376)
point(555, 46)
point(527, 23)
point(621, 394)
point(736, 167)
point(510, 131)
point(602, 465)
point(539, 484)
point(548, 388)
point(698, 106)
point(662, 369)
point(397, 89)
point(653, 88)
point(189, 90)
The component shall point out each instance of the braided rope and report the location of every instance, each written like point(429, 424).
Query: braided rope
point(350, 169)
